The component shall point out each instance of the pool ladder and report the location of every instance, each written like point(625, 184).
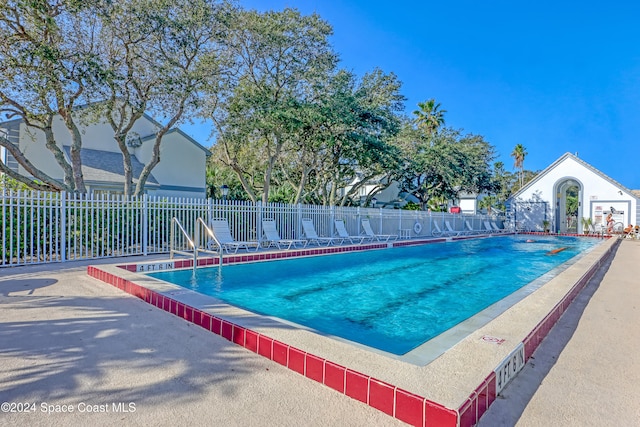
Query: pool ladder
point(192, 247)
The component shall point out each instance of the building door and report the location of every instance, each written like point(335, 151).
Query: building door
point(568, 206)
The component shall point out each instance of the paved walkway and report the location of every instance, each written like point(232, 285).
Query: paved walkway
point(68, 341)
point(587, 371)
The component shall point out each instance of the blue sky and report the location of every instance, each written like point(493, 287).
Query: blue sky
point(553, 76)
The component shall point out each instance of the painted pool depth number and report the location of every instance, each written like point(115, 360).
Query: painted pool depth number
point(509, 367)
point(155, 266)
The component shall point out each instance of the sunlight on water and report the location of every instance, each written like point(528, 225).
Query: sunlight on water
point(393, 300)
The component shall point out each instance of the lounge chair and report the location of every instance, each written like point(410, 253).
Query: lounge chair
point(344, 234)
point(311, 235)
point(435, 230)
point(220, 229)
point(488, 227)
point(470, 229)
point(453, 232)
point(272, 237)
point(366, 226)
point(498, 229)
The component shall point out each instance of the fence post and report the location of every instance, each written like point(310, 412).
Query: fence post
point(299, 224)
point(63, 226)
point(332, 217)
point(259, 215)
point(145, 225)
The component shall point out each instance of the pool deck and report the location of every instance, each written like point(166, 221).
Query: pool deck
point(68, 338)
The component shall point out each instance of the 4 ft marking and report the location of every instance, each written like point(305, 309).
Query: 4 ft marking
point(509, 367)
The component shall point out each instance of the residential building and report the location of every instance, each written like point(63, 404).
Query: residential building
point(545, 199)
point(181, 171)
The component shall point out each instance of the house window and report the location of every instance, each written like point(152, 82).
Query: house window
point(5, 156)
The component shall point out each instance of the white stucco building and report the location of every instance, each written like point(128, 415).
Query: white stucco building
point(545, 198)
point(181, 171)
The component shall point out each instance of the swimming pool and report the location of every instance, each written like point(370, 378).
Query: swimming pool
point(392, 300)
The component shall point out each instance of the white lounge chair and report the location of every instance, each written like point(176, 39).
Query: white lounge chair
point(311, 235)
point(471, 229)
point(366, 226)
point(488, 227)
point(451, 231)
point(344, 234)
point(222, 233)
point(272, 237)
point(436, 231)
point(498, 229)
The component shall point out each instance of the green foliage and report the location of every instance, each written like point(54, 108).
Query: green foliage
point(282, 194)
point(439, 165)
point(518, 154)
point(296, 126)
point(8, 184)
point(290, 125)
point(219, 175)
point(411, 206)
point(120, 59)
point(16, 222)
point(32, 228)
point(572, 201)
point(491, 202)
point(429, 117)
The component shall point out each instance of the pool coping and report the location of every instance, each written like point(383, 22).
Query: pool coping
point(453, 390)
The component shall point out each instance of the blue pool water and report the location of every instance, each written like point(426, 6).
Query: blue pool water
point(394, 299)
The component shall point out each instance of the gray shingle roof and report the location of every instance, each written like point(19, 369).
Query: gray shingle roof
point(106, 166)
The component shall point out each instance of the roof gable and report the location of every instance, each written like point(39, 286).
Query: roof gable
point(145, 116)
point(559, 161)
point(179, 132)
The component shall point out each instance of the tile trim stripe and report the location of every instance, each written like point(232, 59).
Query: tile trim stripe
point(379, 394)
point(470, 412)
point(398, 403)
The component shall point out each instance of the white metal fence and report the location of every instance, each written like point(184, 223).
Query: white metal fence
point(42, 227)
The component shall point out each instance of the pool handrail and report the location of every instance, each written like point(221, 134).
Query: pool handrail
point(175, 224)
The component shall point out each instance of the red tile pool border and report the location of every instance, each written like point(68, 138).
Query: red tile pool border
point(393, 401)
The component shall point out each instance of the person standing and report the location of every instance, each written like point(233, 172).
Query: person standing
point(610, 223)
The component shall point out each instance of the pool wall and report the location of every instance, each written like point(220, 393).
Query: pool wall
point(396, 401)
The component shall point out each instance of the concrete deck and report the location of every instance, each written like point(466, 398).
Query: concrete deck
point(587, 371)
point(68, 339)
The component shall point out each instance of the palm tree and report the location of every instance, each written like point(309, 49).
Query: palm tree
point(518, 154)
point(429, 116)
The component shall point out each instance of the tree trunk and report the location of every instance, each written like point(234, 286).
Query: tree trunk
point(126, 163)
point(49, 183)
point(269, 171)
point(121, 129)
point(76, 146)
point(301, 184)
point(59, 156)
point(155, 159)
point(155, 156)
